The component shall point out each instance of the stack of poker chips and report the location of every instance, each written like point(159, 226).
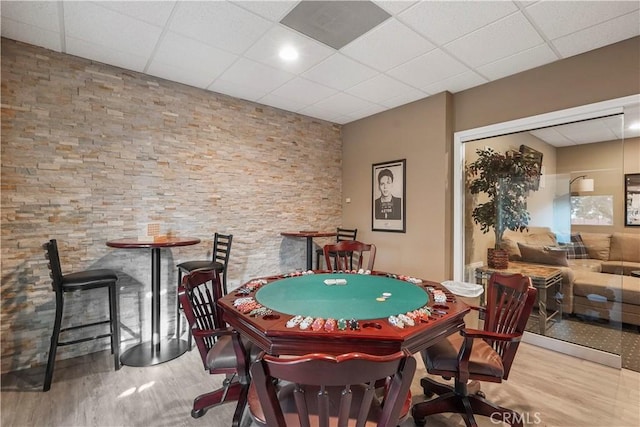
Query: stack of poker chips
point(318, 324)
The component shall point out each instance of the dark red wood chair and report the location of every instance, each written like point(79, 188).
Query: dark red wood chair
point(342, 234)
point(350, 255)
point(221, 349)
point(324, 390)
point(482, 355)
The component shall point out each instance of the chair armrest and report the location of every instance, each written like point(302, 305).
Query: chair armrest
point(212, 332)
point(496, 336)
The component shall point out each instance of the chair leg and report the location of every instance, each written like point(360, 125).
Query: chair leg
point(178, 315)
point(114, 317)
point(234, 392)
point(57, 324)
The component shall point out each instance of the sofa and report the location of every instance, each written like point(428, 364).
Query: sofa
point(596, 269)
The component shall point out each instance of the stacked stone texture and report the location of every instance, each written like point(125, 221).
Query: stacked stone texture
point(90, 152)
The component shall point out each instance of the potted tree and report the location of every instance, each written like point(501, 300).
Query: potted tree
point(507, 180)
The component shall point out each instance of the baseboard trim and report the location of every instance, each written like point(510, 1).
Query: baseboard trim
point(582, 352)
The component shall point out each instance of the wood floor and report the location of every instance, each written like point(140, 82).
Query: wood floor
point(547, 388)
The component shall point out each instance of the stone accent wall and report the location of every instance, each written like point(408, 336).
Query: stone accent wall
point(91, 151)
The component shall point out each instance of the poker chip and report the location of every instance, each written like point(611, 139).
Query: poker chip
point(330, 325)
point(354, 325)
point(306, 322)
point(342, 324)
point(386, 294)
point(406, 319)
point(381, 299)
point(294, 321)
point(394, 321)
point(317, 324)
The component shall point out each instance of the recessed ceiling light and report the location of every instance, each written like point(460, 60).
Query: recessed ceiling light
point(288, 53)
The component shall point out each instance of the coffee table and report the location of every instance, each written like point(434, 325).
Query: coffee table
point(542, 278)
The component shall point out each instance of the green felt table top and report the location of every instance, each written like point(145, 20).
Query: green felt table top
point(310, 296)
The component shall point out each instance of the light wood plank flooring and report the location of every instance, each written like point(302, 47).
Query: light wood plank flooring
point(548, 388)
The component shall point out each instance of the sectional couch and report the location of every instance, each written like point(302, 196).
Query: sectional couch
point(596, 269)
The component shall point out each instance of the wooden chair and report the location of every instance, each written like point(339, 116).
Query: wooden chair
point(324, 390)
point(219, 261)
point(344, 252)
point(221, 349)
point(75, 282)
point(342, 234)
point(482, 355)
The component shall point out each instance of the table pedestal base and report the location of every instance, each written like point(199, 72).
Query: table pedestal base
point(145, 354)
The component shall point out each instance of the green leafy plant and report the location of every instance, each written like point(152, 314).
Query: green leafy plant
point(507, 180)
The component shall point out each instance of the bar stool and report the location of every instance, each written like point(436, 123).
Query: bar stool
point(219, 261)
point(80, 281)
point(342, 234)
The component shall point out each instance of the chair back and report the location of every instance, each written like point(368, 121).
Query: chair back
point(55, 269)
point(198, 294)
point(347, 249)
point(321, 389)
point(346, 234)
point(510, 299)
point(221, 251)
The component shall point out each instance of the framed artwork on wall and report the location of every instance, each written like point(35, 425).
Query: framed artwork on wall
point(534, 156)
point(389, 196)
point(632, 200)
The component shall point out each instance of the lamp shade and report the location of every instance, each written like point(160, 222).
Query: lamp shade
point(583, 185)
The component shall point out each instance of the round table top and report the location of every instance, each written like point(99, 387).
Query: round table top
point(167, 242)
point(362, 297)
point(308, 233)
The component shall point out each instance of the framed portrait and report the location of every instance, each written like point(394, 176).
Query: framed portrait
point(632, 200)
point(535, 157)
point(389, 196)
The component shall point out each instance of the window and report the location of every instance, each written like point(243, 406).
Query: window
point(592, 210)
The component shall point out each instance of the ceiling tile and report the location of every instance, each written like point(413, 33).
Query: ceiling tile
point(267, 49)
point(521, 61)
point(29, 34)
point(105, 55)
point(456, 83)
point(403, 98)
point(220, 24)
point(394, 6)
point(495, 41)
point(339, 72)
point(323, 114)
point(274, 11)
point(237, 90)
point(43, 15)
point(382, 87)
point(114, 31)
point(282, 103)
point(444, 21)
point(343, 103)
point(612, 31)
point(559, 18)
point(151, 12)
point(189, 61)
point(387, 46)
point(365, 112)
point(303, 91)
point(255, 75)
point(429, 68)
point(552, 136)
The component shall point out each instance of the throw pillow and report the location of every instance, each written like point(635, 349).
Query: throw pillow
point(543, 255)
point(576, 249)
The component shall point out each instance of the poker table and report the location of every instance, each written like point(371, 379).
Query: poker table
point(368, 298)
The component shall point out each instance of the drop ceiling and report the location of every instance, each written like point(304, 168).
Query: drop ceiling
point(231, 47)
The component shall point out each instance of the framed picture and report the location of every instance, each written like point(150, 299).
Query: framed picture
point(535, 157)
point(389, 196)
point(632, 200)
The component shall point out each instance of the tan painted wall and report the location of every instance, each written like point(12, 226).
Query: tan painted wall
point(419, 133)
